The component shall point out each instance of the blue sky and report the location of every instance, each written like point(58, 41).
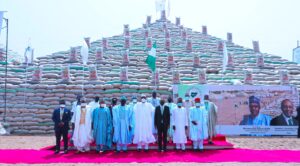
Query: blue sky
point(56, 25)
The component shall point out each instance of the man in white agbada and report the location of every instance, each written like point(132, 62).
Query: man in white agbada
point(180, 125)
point(94, 104)
point(171, 106)
point(154, 100)
point(76, 103)
point(187, 104)
point(198, 125)
point(212, 118)
point(73, 109)
point(131, 106)
point(143, 124)
point(82, 120)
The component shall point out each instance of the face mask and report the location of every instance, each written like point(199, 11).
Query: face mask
point(123, 102)
point(62, 106)
point(83, 104)
point(205, 101)
point(198, 104)
point(143, 100)
point(102, 105)
point(179, 104)
point(187, 99)
point(134, 101)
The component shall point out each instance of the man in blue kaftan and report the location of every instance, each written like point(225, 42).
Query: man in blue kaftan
point(102, 127)
point(255, 118)
point(122, 123)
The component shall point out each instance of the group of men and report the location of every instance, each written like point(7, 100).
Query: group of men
point(138, 122)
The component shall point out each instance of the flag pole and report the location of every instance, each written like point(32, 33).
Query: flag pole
point(25, 82)
point(155, 88)
point(26, 66)
point(82, 87)
point(5, 81)
point(224, 60)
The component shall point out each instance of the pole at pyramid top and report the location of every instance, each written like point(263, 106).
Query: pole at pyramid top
point(256, 46)
point(204, 29)
point(148, 20)
point(229, 37)
point(163, 16)
point(177, 21)
point(163, 7)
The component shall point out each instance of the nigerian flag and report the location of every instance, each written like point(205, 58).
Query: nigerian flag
point(151, 59)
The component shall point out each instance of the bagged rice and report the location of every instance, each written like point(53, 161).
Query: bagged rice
point(125, 57)
point(65, 74)
point(124, 74)
point(284, 77)
point(99, 55)
point(175, 77)
point(73, 55)
point(201, 76)
point(93, 73)
point(248, 77)
point(259, 60)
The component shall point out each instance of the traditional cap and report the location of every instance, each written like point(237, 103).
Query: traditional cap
point(197, 100)
point(114, 101)
point(206, 97)
point(83, 100)
point(143, 96)
point(123, 98)
point(253, 99)
point(179, 100)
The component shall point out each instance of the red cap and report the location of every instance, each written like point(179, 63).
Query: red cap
point(197, 100)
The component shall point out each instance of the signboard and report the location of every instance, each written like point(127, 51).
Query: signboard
point(296, 55)
point(248, 109)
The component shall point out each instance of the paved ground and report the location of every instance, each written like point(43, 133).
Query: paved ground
point(37, 142)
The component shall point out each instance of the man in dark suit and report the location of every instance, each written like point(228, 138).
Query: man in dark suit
point(162, 124)
point(114, 102)
point(61, 118)
point(286, 118)
point(298, 118)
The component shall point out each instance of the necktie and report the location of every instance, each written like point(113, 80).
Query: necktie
point(162, 113)
point(290, 122)
point(61, 113)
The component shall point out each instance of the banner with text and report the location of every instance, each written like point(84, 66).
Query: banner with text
point(248, 109)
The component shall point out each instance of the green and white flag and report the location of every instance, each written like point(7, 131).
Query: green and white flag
point(151, 59)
